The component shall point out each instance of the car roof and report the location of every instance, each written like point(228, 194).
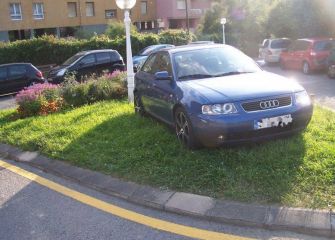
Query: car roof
point(13, 64)
point(96, 51)
point(316, 39)
point(190, 47)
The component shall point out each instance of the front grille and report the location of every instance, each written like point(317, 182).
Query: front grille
point(255, 106)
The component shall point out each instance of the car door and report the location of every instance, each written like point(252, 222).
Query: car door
point(263, 49)
point(104, 63)
point(4, 87)
point(162, 91)
point(301, 53)
point(85, 67)
point(145, 81)
point(17, 77)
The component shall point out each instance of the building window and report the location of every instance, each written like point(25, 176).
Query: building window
point(15, 11)
point(38, 11)
point(111, 13)
point(144, 7)
point(72, 9)
point(89, 9)
point(181, 4)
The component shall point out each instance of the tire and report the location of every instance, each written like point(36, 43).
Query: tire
point(331, 72)
point(306, 68)
point(282, 65)
point(184, 130)
point(138, 105)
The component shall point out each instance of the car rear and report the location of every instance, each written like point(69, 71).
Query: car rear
point(35, 75)
point(276, 47)
point(319, 53)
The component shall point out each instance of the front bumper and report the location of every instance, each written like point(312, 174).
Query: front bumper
point(214, 131)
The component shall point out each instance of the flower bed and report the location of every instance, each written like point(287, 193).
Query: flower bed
point(43, 99)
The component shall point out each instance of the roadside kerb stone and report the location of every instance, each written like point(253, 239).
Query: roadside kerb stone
point(152, 196)
point(190, 203)
point(239, 213)
point(308, 221)
point(300, 220)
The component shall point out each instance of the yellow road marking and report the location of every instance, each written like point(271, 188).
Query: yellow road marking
point(121, 212)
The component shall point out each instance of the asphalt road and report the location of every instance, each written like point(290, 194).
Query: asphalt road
point(31, 211)
point(316, 83)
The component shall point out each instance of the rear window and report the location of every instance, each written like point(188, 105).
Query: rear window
point(17, 70)
point(282, 43)
point(3, 73)
point(323, 46)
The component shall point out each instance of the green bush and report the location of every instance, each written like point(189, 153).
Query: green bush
point(50, 50)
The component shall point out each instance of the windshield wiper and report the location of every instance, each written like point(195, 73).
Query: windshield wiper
point(194, 76)
point(230, 73)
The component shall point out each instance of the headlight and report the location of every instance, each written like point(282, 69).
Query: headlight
point(61, 72)
point(217, 109)
point(302, 98)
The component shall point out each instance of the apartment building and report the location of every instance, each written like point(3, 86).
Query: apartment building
point(23, 19)
point(172, 13)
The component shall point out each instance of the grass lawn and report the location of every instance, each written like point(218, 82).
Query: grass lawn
point(108, 137)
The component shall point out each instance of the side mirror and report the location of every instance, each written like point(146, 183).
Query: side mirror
point(164, 75)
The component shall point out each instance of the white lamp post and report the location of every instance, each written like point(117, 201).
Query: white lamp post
point(126, 5)
point(223, 22)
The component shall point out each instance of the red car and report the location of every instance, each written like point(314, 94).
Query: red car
point(307, 54)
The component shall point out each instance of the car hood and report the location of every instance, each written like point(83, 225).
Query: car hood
point(243, 87)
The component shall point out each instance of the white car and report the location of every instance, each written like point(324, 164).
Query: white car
point(271, 49)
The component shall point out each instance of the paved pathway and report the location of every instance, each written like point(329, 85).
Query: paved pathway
point(31, 211)
point(7, 102)
point(316, 83)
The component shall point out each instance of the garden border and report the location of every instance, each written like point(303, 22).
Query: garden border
point(300, 220)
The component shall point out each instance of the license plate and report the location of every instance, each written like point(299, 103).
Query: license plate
point(280, 121)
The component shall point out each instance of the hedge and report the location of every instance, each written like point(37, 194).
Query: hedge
point(51, 50)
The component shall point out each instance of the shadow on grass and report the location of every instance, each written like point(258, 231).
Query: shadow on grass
point(145, 151)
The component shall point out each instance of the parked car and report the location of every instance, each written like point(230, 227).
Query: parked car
point(140, 58)
point(308, 54)
point(16, 76)
point(271, 49)
point(87, 63)
point(331, 63)
point(214, 94)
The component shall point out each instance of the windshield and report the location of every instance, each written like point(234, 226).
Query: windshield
point(213, 62)
point(72, 59)
point(324, 45)
point(281, 43)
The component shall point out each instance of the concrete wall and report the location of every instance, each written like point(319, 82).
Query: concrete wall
point(167, 10)
point(56, 14)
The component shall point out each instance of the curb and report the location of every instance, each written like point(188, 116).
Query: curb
point(306, 221)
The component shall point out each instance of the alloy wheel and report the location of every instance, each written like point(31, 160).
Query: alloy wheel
point(182, 128)
point(305, 68)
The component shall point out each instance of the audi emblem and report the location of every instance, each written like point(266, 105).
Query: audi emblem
point(269, 104)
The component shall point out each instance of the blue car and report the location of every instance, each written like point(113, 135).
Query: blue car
point(214, 95)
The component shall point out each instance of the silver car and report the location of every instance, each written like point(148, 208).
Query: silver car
point(271, 49)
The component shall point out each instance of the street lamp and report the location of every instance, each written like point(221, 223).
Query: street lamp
point(223, 22)
point(126, 5)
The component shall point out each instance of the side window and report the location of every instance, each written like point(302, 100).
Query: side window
point(17, 71)
point(149, 65)
point(103, 57)
point(115, 57)
point(3, 73)
point(87, 60)
point(302, 46)
point(163, 63)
